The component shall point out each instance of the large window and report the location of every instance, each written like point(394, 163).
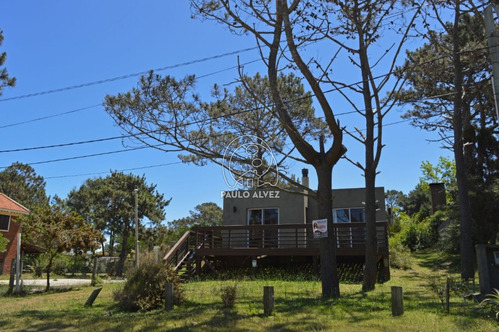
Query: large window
point(349, 215)
point(263, 216)
point(349, 237)
point(4, 223)
point(259, 238)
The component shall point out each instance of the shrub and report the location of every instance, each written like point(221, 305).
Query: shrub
point(491, 300)
point(437, 285)
point(449, 241)
point(145, 288)
point(61, 264)
point(399, 255)
point(415, 235)
point(228, 295)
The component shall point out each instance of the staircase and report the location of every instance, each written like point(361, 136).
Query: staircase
point(182, 257)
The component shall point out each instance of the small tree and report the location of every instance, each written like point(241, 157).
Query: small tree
point(57, 231)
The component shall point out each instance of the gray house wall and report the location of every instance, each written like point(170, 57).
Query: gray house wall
point(350, 198)
point(294, 208)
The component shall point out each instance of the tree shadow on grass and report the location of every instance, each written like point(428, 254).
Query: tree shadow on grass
point(438, 261)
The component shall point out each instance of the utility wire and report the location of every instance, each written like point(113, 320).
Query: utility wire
point(88, 107)
point(118, 78)
point(205, 120)
point(106, 172)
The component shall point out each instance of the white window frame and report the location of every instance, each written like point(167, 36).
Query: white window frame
point(8, 224)
point(334, 212)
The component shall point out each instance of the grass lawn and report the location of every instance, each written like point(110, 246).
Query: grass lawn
point(299, 307)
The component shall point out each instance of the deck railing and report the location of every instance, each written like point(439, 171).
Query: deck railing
point(285, 236)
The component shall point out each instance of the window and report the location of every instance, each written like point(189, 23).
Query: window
point(258, 238)
point(349, 237)
point(349, 215)
point(4, 223)
point(263, 216)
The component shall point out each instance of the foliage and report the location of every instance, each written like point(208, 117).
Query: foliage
point(399, 255)
point(5, 80)
point(484, 203)
point(109, 204)
point(491, 300)
point(228, 295)
point(36, 264)
point(430, 89)
point(145, 288)
point(437, 285)
point(417, 201)
point(56, 231)
point(205, 214)
point(414, 235)
point(449, 240)
point(443, 172)
point(3, 243)
point(21, 183)
point(167, 108)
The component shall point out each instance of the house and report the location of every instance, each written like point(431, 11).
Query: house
point(275, 227)
point(10, 210)
point(292, 206)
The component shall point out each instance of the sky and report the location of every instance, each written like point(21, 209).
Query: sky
point(68, 55)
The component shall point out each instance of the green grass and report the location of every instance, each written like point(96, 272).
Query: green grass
point(299, 307)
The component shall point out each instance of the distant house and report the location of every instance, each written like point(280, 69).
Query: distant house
point(10, 210)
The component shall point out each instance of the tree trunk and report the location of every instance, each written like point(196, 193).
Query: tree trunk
point(123, 255)
point(112, 244)
point(370, 169)
point(329, 276)
point(49, 267)
point(370, 270)
point(466, 247)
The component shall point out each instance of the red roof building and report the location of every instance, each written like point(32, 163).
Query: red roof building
point(10, 210)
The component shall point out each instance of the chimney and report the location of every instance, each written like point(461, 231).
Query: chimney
point(438, 196)
point(305, 177)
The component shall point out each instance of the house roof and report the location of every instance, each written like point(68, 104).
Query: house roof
point(9, 206)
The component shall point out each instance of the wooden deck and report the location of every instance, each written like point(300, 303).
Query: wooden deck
point(244, 243)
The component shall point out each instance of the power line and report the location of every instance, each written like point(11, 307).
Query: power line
point(122, 77)
point(84, 156)
point(49, 116)
point(88, 107)
point(205, 120)
point(122, 170)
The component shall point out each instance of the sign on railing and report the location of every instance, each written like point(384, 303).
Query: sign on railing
point(320, 228)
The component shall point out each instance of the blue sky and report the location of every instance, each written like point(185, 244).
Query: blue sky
point(54, 45)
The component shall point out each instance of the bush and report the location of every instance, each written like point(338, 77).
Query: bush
point(399, 255)
point(228, 296)
point(415, 235)
point(61, 264)
point(437, 285)
point(449, 241)
point(145, 288)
